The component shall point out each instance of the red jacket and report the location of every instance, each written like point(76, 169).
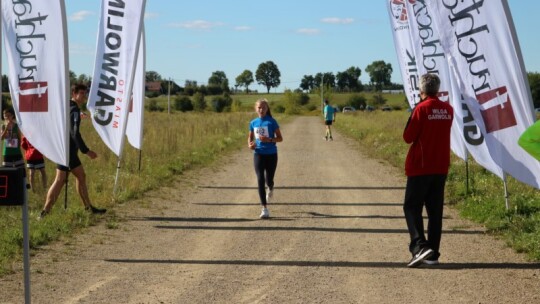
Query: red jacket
point(428, 129)
point(30, 153)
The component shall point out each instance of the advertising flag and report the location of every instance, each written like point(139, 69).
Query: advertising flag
point(35, 37)
point(430, 57)
point(134, 131)
point(485, 60)
point(415, 59)
point(118, 44)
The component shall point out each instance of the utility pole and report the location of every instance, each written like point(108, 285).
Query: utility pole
point(322, 91)
point(169, 98)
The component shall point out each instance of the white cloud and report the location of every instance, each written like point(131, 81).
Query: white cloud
point(335, 20)
point(197, 25)
point(243, 28)
point(308, 31)
point(80, 16)
point(150, 15)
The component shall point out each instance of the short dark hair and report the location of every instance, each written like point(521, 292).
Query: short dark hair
point(430, 84)
point(326, 101)
point(78, 87)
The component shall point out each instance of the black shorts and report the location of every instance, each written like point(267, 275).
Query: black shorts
point(328, 122)
point(74, 162)
point(35, 164)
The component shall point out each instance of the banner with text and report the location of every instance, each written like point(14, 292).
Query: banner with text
point(479, 39)
point(118, 44)
point(414, 62)
point(431, 58)
point(35, 37)
point(134, 131)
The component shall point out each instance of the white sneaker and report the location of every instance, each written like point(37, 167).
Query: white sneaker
point(269, 194)
point(264, 213)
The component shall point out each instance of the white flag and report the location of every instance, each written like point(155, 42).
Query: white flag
point(486, 63)
point(134, 129)
point(430, 57)
point(118, 45)
point(36, 43)
point(418, 55)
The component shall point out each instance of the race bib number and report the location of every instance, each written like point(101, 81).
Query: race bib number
point(11, 143)
point(261, 131)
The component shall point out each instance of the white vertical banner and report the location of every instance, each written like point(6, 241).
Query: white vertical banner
point(484, 56)
point(117, 50)
point(430, 56)
point(35, 37)
point(419, 53)
point(134, 131)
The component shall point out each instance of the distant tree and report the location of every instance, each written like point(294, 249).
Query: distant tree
point(380, 73)
point(245, 79)
point(190, 87)
point(534, 82)
point(349, 80)
point(218, 83)
point(72, 77)
point(268, 74)
point(328, 79)
point(83, 78)
point(199, 104)
point(153, 76)
point(308, 83)
point(221, 103)
point(5, 84)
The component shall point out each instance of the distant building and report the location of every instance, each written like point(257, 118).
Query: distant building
point(154, 87)
point(393, 91)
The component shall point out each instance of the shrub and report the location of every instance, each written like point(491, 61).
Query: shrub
point(183, 103)
point(199, 104)
point(358, 101)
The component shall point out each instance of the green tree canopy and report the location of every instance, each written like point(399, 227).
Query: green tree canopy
point(308, 83)
point(153, 76)
point(245, 79)
point(534, 82)
point(268, 74)
point(349, 80)
point(380, 73)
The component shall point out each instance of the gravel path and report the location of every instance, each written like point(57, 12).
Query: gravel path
point(336, 235)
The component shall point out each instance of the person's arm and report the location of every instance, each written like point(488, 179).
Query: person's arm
point(278, 137)
point(76, 134)
point(412, 128)
point(251, 141)
point(4, 131)
point(530, 140)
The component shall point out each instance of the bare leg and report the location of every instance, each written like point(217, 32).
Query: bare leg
point(80, 184)
point(32, 177)
point(54, 191)
point(43, 177)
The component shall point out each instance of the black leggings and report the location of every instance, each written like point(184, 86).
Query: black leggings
point(265, 168)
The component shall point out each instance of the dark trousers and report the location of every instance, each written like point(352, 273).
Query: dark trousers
point(265, 168)
point(425, 190)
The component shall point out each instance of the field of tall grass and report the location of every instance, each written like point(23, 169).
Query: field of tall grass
point(479, 197)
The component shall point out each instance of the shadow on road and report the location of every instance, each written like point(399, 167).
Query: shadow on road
point(320, 229)
point(443, 266)
point(305, 204)
point(305, 188)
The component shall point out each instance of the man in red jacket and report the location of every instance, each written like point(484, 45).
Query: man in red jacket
point(426, 167)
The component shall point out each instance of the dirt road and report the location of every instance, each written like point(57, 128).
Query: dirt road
point(336, 235)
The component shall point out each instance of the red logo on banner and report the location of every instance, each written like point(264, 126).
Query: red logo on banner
point(399, 11)
point(33, 97)
point(498, 113)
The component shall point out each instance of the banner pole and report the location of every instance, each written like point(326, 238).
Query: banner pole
point(26, 245)
point(507, 204)
point(117, 174)
point(66, 191)
point(140, 160)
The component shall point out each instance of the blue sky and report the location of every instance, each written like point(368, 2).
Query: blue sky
point(190, 39)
